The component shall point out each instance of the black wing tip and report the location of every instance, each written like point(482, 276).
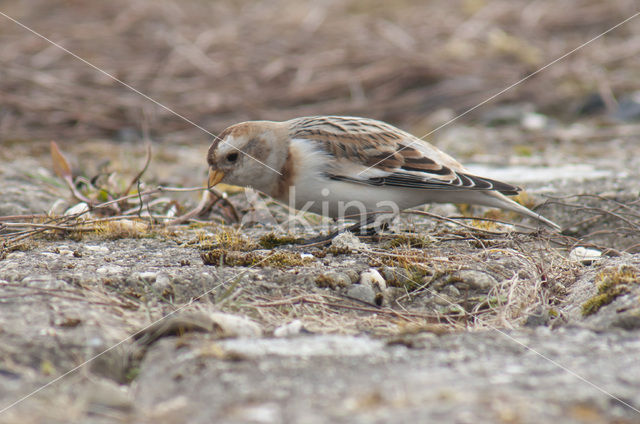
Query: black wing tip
point(483, 183)
point(470, 182)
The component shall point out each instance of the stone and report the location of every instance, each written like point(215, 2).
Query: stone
point(333, 280)
point(585, 255)
point(467, 279)
point(162, 281)
point(346, 242)
point(373, 278)
point(353, 275)
point(97, 249)
point(77, 209)
point(222, 325)
point(147, 276)
point(396, 276)
point(534, 121)
point(364, 293)
point(229, 325)
point(110, 269)
point(104, 395)
point(289, 329)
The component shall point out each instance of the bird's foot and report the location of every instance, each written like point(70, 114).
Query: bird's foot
point(319, 240)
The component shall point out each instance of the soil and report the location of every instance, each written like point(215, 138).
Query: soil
point(226, 316)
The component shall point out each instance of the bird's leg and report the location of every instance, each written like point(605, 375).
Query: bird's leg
point(370, 226)
point(320, 240)
point(366, 226)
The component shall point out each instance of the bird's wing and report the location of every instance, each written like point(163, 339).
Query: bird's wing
point(371, 152)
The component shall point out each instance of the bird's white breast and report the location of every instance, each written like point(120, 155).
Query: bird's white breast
point(314, 192)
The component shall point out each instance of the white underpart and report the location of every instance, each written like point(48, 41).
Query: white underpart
point(314, 192)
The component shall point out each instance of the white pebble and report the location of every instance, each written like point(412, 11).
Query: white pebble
point(97, 249)
point(373, 279)
point(585, 255)
point(347, 241)
point(77, 209)
point(534, 121)
point(289, 329)
point(109, 269)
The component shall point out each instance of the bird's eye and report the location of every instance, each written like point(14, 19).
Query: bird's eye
point(232, 157)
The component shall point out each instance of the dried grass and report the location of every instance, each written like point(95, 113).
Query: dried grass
point(222, 62)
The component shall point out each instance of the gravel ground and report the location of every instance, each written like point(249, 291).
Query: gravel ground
point(497, 333)
point(216, 321)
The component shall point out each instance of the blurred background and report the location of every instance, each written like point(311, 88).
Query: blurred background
point(412, 63)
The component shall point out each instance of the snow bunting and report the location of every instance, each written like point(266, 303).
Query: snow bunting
point(324, 164)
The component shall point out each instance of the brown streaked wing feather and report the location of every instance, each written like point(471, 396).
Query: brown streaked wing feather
point(375, 144)
point(363, 141)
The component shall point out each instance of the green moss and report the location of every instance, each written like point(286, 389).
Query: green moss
point(415, 279)
point(409, 240)
point(132, 374)
point(22, 246)
point(334, 250)
point(611, 283)
point(271, 240)
point(333, 280)
point(525, 199)
point(227, 239)
point(47, 367)
point(523, 150)
point(403, 271)
point(407, 276)
point(115, 230)
point(279, 259)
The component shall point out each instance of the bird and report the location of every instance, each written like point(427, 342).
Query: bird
point(329, 164)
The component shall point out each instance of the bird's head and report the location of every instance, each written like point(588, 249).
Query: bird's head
point(249, 154)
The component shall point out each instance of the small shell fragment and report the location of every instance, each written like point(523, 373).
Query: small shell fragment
point(585, 255)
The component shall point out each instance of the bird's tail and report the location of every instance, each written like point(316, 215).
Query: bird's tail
point(498, 200)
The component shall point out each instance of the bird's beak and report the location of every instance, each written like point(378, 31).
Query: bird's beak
point(215, 177)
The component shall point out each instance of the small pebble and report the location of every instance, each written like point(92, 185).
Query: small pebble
point(346, 242)
point(97, 249)
point(364, 293)
point(373, 278)
point(229, 325)
point(353, 275)
point(534, 121)
point(333, 280)
point(109, 269)
point(585, 255)
point(162, 281)
point(473, 280)
point(77, 209)
point(289, 329)
point(148, 276)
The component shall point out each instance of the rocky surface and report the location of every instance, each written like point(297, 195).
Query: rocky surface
point(428, 322)
point(227, 318)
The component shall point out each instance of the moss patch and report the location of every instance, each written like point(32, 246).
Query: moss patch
point(611, 283)
point(227, 239)
point(271, 240)
point(126, 228)
point(525, 199)
point(409, 240)
point(280, 259)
